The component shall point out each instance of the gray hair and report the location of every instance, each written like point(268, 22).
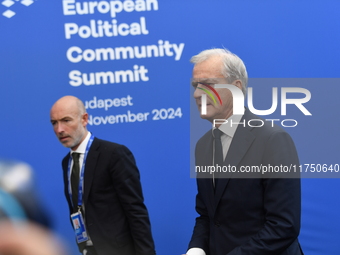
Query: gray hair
point(233, 67)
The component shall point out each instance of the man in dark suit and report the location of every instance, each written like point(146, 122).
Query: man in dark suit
point(109, 199)
point(241, 213)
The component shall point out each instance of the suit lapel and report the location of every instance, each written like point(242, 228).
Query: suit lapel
point(90, 167)
point(242, 140)
point(65, 172)
point(65, 168)
point(205, 158)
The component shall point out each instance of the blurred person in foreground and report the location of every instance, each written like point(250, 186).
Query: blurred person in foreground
point(102, 187)
point(24, 224)
point(28, 238)
point(19, 198)
point(241, 213)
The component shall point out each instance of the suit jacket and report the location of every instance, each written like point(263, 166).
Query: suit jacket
point(115, 215)
point(258, 215)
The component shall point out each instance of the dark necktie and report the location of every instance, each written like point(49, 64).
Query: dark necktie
point(218, 155)
point(75, 180)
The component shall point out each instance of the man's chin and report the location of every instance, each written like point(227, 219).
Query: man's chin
point(66, 144)
point(206, 117)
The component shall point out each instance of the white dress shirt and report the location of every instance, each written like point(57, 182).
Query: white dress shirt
point(81, 149)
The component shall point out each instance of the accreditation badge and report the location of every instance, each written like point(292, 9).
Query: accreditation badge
point(79, 227)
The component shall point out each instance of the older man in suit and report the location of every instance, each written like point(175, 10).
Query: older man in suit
point(241, 213)
point(102, 187)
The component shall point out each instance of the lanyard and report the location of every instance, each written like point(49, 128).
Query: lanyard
point(81, 180)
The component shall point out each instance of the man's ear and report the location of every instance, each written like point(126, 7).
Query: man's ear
point(84, 119)
point(238, 83)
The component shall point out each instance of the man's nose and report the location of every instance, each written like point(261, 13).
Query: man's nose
point(59, 128)
point(198, 92)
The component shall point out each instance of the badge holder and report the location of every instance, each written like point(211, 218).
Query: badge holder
point(79, 227)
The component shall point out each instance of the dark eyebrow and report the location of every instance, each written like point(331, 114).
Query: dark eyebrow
point(194, 83)
point(203, 81)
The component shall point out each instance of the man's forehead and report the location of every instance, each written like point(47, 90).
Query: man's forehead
point(209, 80)
point(207, 71)
point(63, 112)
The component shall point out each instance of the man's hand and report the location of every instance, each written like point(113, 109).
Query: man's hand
point(27, 239)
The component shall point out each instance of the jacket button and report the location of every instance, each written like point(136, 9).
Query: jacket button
point(217, 224)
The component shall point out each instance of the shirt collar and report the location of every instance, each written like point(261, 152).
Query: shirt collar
point(82, 147)
point(229, 128)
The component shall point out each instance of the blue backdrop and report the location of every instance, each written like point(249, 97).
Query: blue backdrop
point(130, 63)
